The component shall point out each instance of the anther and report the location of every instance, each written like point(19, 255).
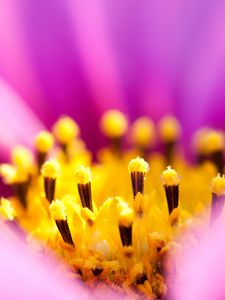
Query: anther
point(169, 131)
point(65, 131)
point(138, 168)
point(143, 134)
point(126, 219)
point(114, 125)
point(50, 171)
point(22, 158)
point(18, 180)
point(171, 181)
point(215, 147)
point(57, 211)
point(84, 179)
point(43, 143)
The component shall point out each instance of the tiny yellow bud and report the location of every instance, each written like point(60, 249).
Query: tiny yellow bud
point(143, 132)
point(22, 157)
point(57, 210)
point(44, 141)
point(114, 124)
point(87, 215)
point(66, 130)
point(50, 169)
point(170, 177)
point(6, 209)
point(8, 173)
point(218, 185)
point(83, 175)
point(126, 217)
point(169, 129)
point(138, 165)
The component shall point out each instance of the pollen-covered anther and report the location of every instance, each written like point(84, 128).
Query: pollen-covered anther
point(43, 142)
point(218, 196)
point(126, 219)
point(171, 180)
point(58, 213)
point(65, 131)
point(143, 133)
point(50, 171)
point(84, 178)
point(138, 168)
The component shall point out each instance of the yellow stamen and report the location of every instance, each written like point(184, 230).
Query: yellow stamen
point(44, 142)
point(66, 130)
point(138, 165)
point(170, 177)
point(50, 169)
point(114, 124)
point(218, 185)
point(214, 141)
point(143, 132)
point(57, 210)
point(83, 175)
point(169, 129)
point(22, 157)
point(126, 217)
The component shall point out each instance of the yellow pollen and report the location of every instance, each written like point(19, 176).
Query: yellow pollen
point(143, 132)
point(114, 124)
point(169, 129)
point(66, 130)
point(218, 185)
point(126, 217)
point(170, 177)
point(57, 210)
point(44, 141)
point(50, 169)
point(6, 210)
point(22, 157)
point(83, 175)
point(138, 165)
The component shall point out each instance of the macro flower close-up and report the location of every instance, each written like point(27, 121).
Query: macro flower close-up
point(112, 149)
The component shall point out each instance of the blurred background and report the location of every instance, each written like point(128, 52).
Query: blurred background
point(81, 57)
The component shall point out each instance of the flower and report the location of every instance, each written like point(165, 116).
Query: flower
point(117, 229)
